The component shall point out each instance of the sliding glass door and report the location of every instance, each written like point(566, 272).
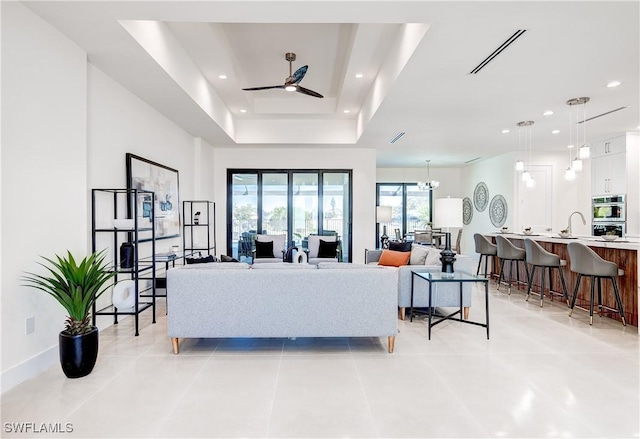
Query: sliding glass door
point(296, 203)
point(411, 208)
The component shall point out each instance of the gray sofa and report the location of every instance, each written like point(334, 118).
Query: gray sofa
point(278, 300)
point(444, 294)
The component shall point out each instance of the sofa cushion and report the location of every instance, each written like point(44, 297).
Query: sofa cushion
point(283, 266)
point(400, 246)
point(419, 255)
point(216, 266)
point(345, 266)
point(264, 249)
point(433, 256)
point(327, 249)
point(225, 258)
point(391, 258)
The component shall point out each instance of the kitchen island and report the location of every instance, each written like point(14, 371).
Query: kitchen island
point(624, 252)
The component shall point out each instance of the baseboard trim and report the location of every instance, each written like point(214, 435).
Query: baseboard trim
point(28, 369)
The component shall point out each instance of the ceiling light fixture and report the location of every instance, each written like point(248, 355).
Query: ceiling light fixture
point(222, 76)
point(359, 76)
point(584, 151)
point(524, 129)
point(429, 184)
point(555, 132)
point(548, 113)
point(243, 110)
point(346, 111)
point(505, 131)
point(291, 88)
point(613, 84)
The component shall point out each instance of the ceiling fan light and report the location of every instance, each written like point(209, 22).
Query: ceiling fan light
point(584, 152)
point(291, 88)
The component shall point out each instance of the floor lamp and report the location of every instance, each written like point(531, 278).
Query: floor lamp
point(448, 213)
point(383, 216)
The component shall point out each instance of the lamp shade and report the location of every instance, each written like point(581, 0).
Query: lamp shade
point(383, 214)
point(448, 212)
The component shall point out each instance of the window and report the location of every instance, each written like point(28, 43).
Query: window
point(411, 208)
point(296, 203)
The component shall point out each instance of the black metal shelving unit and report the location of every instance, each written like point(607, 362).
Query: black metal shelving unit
point(107, 204)
point(197, 231)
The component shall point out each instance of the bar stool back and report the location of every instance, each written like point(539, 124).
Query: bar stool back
point(586, 262)
point(486, 248)
point(538, 257)
point(509, 252)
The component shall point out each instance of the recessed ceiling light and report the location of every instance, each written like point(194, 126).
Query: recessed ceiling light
point(613, 84)
point(505, 131)
point(359, 76)
point(222, 76)
point(346, 111)
point(243, 111)
point(555, 132)
point(547, 113)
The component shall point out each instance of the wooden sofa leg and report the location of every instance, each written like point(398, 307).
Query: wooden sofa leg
point(176, 345)
point(465, 311)
point(392, 343)
point(402, 313)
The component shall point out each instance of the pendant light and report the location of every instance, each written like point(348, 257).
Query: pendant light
point(525, 127)
point(584, 151)
point(429, 184)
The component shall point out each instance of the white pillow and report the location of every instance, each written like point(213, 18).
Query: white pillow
point(433, 256)
point(418, 254)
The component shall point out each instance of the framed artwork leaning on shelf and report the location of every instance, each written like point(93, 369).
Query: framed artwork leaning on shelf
point(163, 181)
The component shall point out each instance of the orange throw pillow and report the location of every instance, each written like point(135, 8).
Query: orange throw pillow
point(392, 258)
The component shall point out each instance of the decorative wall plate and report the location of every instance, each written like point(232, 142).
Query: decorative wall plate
point(498, 211)
point(467, 211)
point(481, 196)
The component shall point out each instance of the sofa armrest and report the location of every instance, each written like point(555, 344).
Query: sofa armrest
point(371, 256)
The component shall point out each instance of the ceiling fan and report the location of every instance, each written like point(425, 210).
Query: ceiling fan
point(292, 82)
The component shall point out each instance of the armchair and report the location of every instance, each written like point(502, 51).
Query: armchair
point(314, 247)
point(279, 242)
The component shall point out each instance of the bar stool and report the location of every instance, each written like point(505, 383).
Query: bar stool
point(586, 262)
point(486, 248)
point(539, 257)
point(509, 252)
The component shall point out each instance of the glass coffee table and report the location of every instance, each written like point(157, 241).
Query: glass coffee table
point(460, 278)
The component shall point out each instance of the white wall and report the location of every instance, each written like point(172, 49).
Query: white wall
point(44, 179)
point(361, 161)
point(66, 129)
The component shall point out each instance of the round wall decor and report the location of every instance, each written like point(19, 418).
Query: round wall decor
point(467, 211)
point(498, 211)
point(481, 196)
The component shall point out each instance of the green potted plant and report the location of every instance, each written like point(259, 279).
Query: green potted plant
point(76, 287)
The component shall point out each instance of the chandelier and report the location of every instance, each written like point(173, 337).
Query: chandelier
point(429, 184)
point(524, 130)
point(584, 151)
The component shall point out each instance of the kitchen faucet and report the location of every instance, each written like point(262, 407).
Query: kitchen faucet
point(569, 224)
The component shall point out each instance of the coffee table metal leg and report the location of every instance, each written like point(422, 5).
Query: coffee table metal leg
point(430, 308)
point(413, 275)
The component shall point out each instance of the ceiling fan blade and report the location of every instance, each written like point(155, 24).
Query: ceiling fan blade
point(306, 91)
point(263, 88)
point(298, 75)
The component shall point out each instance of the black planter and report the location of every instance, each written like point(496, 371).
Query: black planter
point(78, 353)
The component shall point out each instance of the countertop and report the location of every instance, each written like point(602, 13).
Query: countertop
point(591, 241)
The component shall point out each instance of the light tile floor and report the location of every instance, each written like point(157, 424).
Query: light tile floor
point(542, 374)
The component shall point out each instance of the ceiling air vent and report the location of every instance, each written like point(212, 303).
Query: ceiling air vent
point(396, 137)
point(498, 51)
point(603, 114)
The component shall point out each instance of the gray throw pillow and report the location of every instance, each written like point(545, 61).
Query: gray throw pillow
point(418, 255)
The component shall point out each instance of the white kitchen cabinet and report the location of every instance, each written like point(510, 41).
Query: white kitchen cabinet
point(603, 148)
point(608, 174)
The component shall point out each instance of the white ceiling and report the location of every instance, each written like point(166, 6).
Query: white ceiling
point(415, 57)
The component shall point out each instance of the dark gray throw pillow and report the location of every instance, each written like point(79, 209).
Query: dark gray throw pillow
point(327, 249)
point(225, 258)
point(264, 249)
point(400, 246)
point(204, 260)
